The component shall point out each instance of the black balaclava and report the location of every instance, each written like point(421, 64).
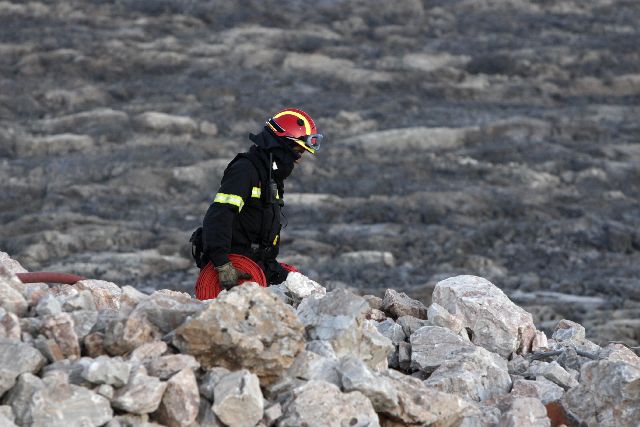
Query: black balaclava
point(282, 152)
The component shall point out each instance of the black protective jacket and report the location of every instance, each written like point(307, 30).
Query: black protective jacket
point(244, 217)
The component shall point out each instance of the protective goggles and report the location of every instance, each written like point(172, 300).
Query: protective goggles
point(311, 142)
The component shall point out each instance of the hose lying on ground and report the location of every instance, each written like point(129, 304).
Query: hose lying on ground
point(48, 277)
point(208, 285)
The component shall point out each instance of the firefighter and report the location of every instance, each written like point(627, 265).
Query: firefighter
point(244, 217)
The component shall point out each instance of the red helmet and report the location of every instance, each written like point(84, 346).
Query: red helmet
point(296, 125)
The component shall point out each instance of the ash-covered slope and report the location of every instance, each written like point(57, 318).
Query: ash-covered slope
point(463, 137)
point(94, 353)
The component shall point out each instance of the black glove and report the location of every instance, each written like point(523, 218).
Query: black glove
point(229, 275)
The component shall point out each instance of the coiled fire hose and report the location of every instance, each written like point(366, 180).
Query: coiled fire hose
point(208, 285)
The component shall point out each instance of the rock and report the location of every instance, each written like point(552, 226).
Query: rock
point(208, 381)
point(355, 376)
point(16, 358)
point(339, 318)
point(377, 315)
point(106, 295)
point(439, 316)
point(271, 414)
point(368, 258)
point(125, 335)
point(431, 346)
point(495, 322)
point(518, 365)
point(70, 370)
point(541, 388)
point(60, 328)
point(540, 342)
point(6, 416)
point(49, 348)
point(141, 395)
point(148, 350)
point(164, 367)
point(166, 122)
point(391, 330)
point(396, 304)
point(238, 399)
point(20, 396)
point(348, 409)
point(404, 356)
point(474, 373)
point(10, 326)
point(181, 401)
point(63, 405)
point(619, 353)
point(553, 372)
point(374, 302)
point(411, 324)
point(168, 309)
point(94, 344)
point(105, 370)
point(311, 366)
point(82, 301)
point(206, 417)
point(48, 305)
point(11, 264)
point(525, 412)
point(299, 286)
point(420, 405)
point(568, 331)
point(607, 395)
point(105, 390)
point(83, 322)
point(11, 297)
point(251, 327)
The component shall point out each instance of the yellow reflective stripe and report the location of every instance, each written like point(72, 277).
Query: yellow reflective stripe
point(277, 195)
point(307, 126)
point(231, 199)
point(256, 192)
point(275, 241)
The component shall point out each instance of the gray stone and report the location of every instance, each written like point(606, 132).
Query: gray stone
point(60, 327)
point(311, 366)
point(474, 373)
point(619, 353)
point(541, 388)
point(106, 295)
point(495, 322)
point(355, 376)
point(93, 344)
point(397, 304)
point(272, 413)
point(298, 286)
point(148, 350)
point(337, 408)
point(568, 331)
point(6, 416)
point(439, 316)
point(374, 302)
point(105, 390)
point(525, 412)
point(163, 122)
point(125, 335)
point(10, 326)
point(83, 322)
point(518, 365)
point(431, 346)
point(391, 330)
point(250, 327)
point(169, 309)
point(608, 394)
point(64, 405)
point(20, 396)
point(411, 324)
point(377, 315)
point(82, 301)
point(105, 370)
point(206, 416)
point(48, 305)
point(49, 348)
point(181, 401)
point(208, 381)
point(11, 297)
point(404, 356)
point(238, 399)
point(553, 372)
point(141, 395)
point(17, 358)
point(323, 348)
point(339, 318)
point(420, 405)
point(70, 369)
point(164, 367)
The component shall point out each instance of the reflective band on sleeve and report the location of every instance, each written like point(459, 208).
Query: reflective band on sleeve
point(256, 192)
point(275, 241)
point(231, 199)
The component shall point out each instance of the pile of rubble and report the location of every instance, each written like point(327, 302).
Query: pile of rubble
point(96, 354)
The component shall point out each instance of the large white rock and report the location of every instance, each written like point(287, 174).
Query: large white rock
point(474, 373)
point(11, 296)
point(238, 399)
point(608, 394)
point(181, 400)
point(355, 376)
point(300, 286)
point(322, 403)
point(525, 412)
point(141, 395)
point(494, 322)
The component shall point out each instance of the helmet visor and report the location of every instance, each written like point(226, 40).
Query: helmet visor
point(313, 141)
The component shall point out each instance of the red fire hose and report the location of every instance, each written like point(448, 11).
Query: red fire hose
point(48, 277)
point(208, 285)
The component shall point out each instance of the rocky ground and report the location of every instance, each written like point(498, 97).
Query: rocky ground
point(495, 138)
point(97, 354)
